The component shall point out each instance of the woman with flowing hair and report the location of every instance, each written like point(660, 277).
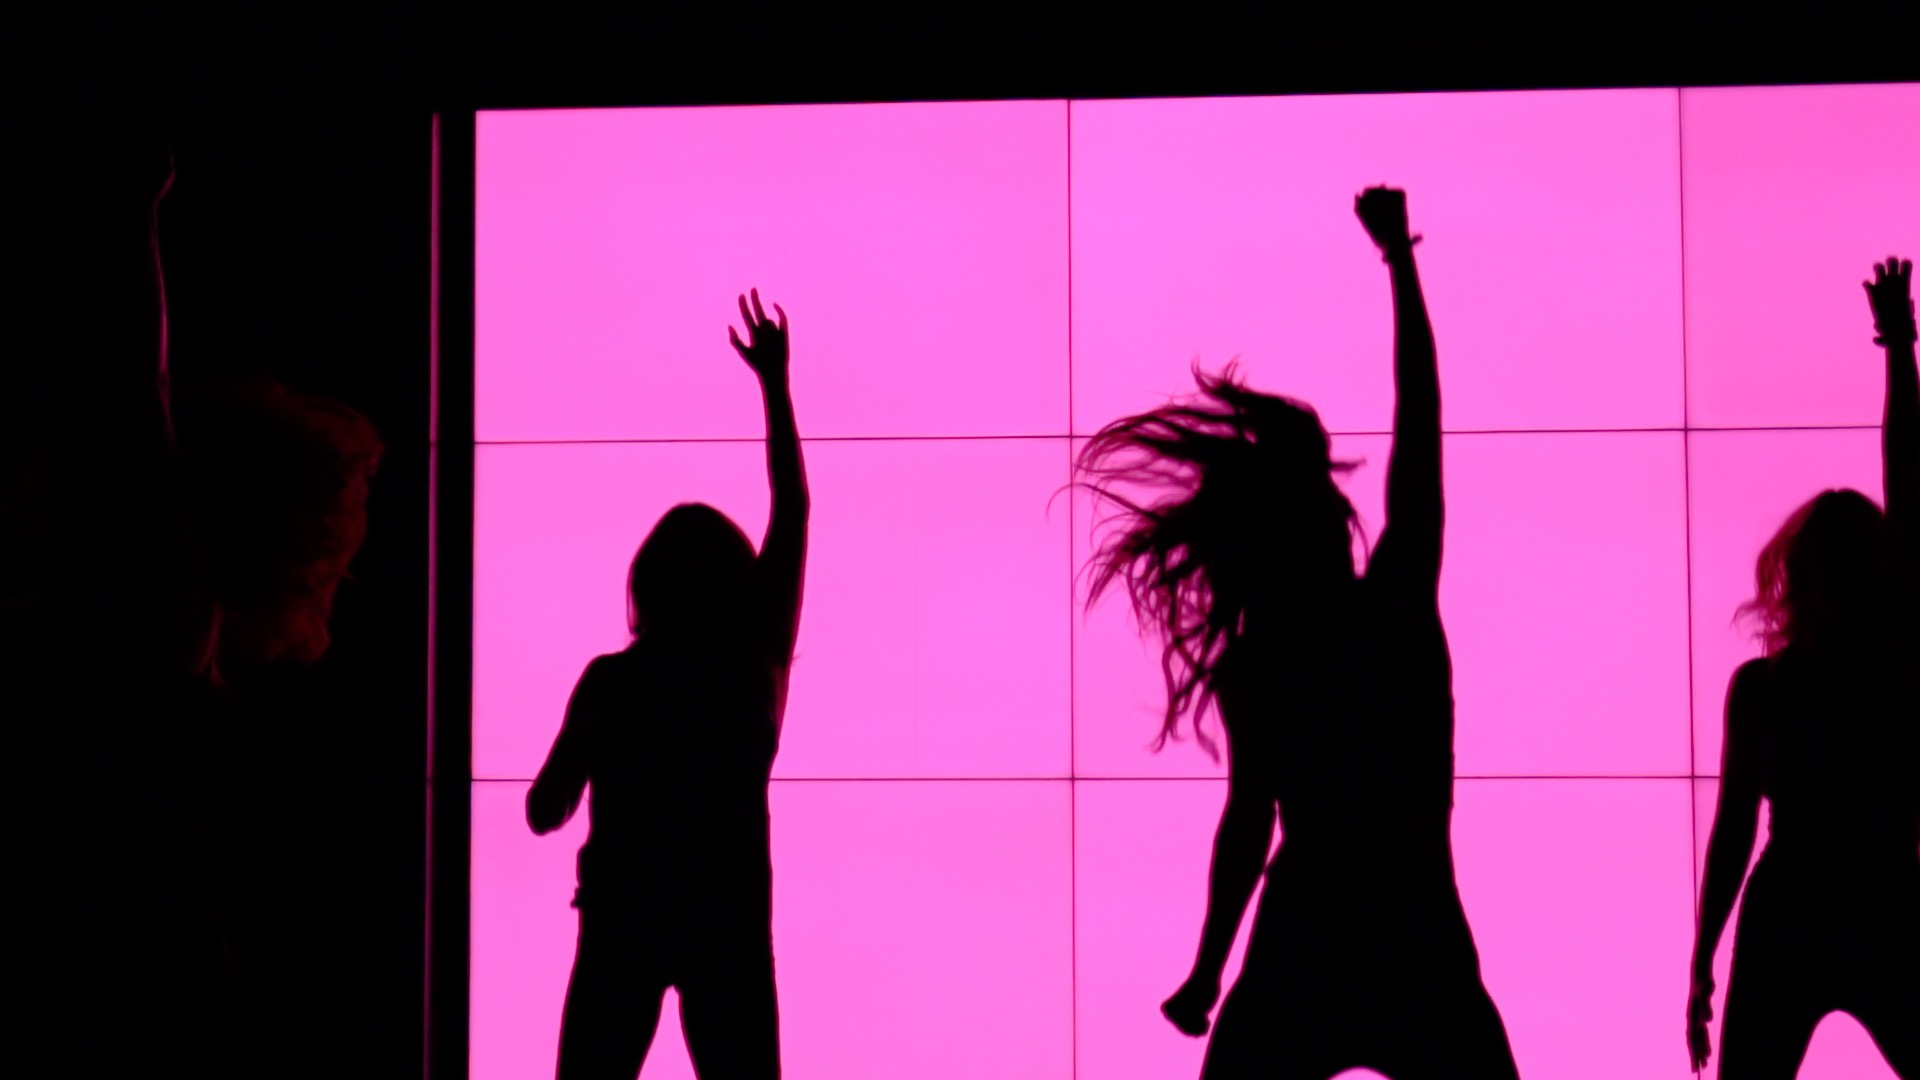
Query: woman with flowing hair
point(1334, 691)
point(676, 736)
point(1825, 727)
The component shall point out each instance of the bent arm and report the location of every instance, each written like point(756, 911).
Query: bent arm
point(1735, 819)
point(557, 790)
point(1241, 846)
point(107, 439)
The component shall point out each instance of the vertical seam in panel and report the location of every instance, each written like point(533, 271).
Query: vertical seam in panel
point(1686, 480)
point(433, 594)
point(1073, 789)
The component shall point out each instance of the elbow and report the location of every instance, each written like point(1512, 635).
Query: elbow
point(1247, 825)
point(544, 815)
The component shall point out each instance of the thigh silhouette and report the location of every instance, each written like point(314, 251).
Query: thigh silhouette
point(730, 1012)
point(1265, 1035)
point(1460, 1037)
point(1887, 1004)
point(613, 1005)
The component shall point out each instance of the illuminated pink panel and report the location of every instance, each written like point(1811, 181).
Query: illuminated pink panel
point(1141, 852)
point(920, 249)
point(908, 918)
point(1792, 193)
point(1565, 598)
point(1218, 227)
point(934, 638)
point(1744, 486)
point(522, 941)
point(1564, 595)
point(1118, 691)
point(1841, 1049)
point(924, 929)
point(933, 641)
point(1578, 892)
point(555, 528)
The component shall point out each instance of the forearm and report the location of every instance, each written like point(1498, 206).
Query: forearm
point(1416, 373)
point(1240, 849)
point(1900, 436)
point(786, 470)
point(116, 292)
point(550, 805)
point(1728, 851)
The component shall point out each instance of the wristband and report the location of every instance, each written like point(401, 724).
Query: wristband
point(1897, 331)
point(1388, 251)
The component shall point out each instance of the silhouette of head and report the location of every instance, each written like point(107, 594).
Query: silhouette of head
point(690, 576)
point(1253, 528)
point(280, 483)
point(1822, 576)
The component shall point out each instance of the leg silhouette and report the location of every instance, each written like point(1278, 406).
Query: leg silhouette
point(613, 1003)
point(730, 1014)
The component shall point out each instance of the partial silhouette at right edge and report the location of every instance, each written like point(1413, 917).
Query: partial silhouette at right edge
point(1825, 727)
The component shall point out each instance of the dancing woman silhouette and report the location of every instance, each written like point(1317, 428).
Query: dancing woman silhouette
point(1335, 693)
point(1826, 728)
point(676, 734)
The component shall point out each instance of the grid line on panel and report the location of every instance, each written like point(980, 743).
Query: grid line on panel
point(1056, 435)
point(1686, 488)
point(761, 439)
point(1073, 712)
point(1179, 778)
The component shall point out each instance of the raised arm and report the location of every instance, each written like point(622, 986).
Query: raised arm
point(1730, 845)
point(1891, 295)
point(780, 571)
point(106, 468)
point(1241, 846)
point(556, 792)
point(1410, 543)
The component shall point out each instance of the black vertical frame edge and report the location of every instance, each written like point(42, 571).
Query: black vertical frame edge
point(449, 723)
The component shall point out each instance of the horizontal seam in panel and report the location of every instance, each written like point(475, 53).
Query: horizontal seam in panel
point(1128, 779)
point(1030, 437)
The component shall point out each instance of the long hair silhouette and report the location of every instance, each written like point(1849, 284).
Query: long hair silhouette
point(693, 569)
point(280, 480)
point(675, 736)
point(1824, 727)
point(1253, 516)
point(1334, 691)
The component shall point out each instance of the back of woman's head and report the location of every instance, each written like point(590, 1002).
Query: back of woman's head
point(690, 575)
point(1250, 520)
point(1822, 577)
point(280, 484)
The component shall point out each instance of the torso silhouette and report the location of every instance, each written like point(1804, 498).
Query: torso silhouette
point(1354, 720)
point(1840, 759)
point(679, 751)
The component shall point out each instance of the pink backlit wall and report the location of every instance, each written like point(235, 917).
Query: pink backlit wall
point(1653, 347)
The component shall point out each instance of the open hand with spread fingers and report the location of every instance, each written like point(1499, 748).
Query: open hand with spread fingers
point(765, 349)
